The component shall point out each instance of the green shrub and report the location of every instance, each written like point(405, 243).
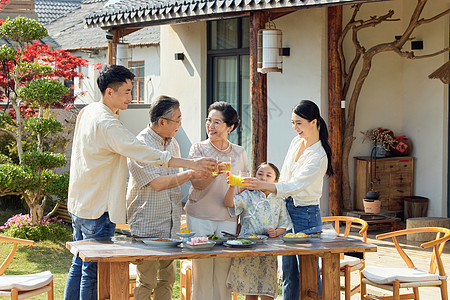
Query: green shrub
point(53, 229)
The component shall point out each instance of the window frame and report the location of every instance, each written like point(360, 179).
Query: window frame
point(138, 79)
point(236, 52)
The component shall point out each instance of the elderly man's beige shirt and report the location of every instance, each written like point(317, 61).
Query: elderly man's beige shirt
point(98, 168)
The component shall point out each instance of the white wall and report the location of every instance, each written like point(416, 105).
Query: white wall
point(186, 80)
point(398, 95)
point(88, 87)
point(303, 77)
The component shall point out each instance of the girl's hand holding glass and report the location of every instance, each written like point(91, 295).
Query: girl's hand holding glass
point(234, 180)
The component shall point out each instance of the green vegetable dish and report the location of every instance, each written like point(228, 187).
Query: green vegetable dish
point(213, 237)
point(245, 242)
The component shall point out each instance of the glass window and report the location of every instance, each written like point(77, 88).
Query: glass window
point(138, 92)
point(229, 72)
point(224, 34)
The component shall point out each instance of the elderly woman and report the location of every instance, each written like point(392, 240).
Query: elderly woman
point(205, 209)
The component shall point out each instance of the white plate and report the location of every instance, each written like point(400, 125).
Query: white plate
point(205, 246)
point(261, 239)
point(295, 240)
point(153, 243)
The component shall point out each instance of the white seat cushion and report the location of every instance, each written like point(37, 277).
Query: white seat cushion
point(132, 271)
point(187, 264)
point(349, 261)
point(389, 275)
point(25, 282)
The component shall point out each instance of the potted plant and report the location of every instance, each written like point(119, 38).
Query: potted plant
point(383, 140)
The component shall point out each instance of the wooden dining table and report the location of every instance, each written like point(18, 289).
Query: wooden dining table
point(113, 258)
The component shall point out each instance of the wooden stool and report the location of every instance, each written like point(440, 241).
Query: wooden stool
point(425, 222)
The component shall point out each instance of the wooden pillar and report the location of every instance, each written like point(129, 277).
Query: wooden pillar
point(258, 95)
point(335, 112)
point(112, 47)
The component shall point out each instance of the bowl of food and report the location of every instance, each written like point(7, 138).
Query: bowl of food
point(298, 237)
point(199, 243)
point(239, 243)
point(161, 242)
point(185, 234)
point(217, 239)
point(257, 238)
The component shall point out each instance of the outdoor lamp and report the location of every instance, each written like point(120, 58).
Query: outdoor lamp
point(122, 54)
point(270, 51)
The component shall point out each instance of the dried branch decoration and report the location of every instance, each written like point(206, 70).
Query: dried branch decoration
point(381, 136)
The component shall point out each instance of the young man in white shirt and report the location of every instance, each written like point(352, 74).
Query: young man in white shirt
point(97, 186)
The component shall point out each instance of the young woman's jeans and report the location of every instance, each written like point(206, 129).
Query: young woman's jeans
point(82, 279)
point(305, 219)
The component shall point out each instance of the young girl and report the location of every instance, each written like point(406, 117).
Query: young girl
point(261, 213)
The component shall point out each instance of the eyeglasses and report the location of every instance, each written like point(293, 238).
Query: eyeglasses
point(177, 121)
point(216, 122)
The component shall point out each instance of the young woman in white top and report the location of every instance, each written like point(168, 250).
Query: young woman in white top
point(306, 163)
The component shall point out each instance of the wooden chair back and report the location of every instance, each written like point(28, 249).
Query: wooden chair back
point(442, 236)
point(10, 256)
point(349, 223)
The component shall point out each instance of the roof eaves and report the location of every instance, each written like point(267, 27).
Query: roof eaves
point(163, 12)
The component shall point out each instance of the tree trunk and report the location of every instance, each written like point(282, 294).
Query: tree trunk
point(36, 202)
point(350, 128)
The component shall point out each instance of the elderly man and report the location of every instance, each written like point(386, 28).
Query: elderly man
point(154, 198)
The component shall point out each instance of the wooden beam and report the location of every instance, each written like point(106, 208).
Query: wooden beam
point(279, 12)
point(335, 113)
point(258, 95)
point(112, 46)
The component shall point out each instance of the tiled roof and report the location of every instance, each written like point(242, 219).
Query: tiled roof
point(48, 10)
point(142, 12)
point(70, 31)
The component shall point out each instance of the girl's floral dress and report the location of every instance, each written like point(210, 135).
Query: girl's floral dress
point(257, 275)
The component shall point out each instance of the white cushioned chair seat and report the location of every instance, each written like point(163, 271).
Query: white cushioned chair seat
point(349, 261)
point(25, 282)
point(389, 275)
point(132, 271)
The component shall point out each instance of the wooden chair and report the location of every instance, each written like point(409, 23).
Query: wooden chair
point(393, 279)
point(349, 264)
point(185, 280)
point(23, 286)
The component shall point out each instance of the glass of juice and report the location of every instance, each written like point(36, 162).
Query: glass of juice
point(226, 164)
point(237, 180)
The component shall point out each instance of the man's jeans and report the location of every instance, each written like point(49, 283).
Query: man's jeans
point(82, 279)
point(305, 219)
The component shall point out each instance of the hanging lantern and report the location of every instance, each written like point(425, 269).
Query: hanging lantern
point(270, 56)
point(122, 55)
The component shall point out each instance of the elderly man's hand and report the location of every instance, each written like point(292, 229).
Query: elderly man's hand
point(205, 164)
point(200, 174)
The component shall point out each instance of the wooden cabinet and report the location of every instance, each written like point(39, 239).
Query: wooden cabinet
point(393, 179)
